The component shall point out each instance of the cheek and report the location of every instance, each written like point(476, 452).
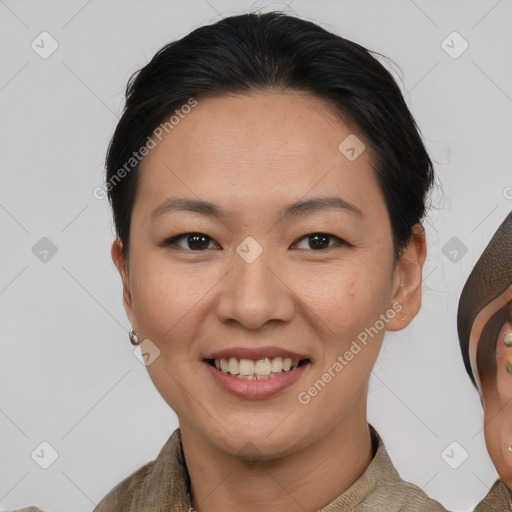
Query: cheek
point(170, 302)
point(349, 299)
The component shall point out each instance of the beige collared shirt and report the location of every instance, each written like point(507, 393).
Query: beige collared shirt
point(163, 485)
point(498, 499)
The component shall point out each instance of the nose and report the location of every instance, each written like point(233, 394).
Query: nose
point(255, 293)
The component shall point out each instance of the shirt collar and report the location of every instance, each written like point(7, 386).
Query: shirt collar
point(163, 485)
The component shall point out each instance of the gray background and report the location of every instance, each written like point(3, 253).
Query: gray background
point(68, 374)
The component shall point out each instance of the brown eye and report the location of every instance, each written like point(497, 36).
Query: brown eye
point(320, 241)
point(192, 241)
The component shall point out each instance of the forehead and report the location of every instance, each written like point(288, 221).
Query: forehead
point(260, 145)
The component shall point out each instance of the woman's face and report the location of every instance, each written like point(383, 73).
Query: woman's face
point(254, 283)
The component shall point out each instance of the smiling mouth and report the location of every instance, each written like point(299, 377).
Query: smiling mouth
point(261, 369)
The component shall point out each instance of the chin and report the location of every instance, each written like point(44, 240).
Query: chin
point(264, 441)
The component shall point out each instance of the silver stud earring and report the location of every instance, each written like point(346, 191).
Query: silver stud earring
point(507, 339)
point(509, 449)
point(134, 336)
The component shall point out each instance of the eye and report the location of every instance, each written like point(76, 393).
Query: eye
point(320, 241)
point(193, 241)
point(199, 241)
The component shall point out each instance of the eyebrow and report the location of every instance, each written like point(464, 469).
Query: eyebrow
point(296, 209)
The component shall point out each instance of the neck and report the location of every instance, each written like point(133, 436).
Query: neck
point(307, 479)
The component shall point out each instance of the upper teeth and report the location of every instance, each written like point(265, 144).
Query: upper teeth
point(254, 369)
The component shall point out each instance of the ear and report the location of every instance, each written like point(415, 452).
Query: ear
point(122, 267)
point(407, 280)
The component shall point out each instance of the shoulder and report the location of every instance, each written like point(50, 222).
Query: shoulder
point(404, 496)
point(387, 490)
point(164, 481)
point(125, 494)
point(498, 499)
point(122, 497)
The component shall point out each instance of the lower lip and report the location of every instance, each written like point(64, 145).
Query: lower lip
point(255, 389)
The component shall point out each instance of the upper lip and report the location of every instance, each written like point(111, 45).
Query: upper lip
point(255, 353)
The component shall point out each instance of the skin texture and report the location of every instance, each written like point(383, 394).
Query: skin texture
point(487, 291)
point(252, 155)
point(496, 393)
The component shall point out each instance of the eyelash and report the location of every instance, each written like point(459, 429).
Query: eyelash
point(170, 242)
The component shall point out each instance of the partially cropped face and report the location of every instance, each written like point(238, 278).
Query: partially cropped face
point(269, 303)
point(490, 352)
